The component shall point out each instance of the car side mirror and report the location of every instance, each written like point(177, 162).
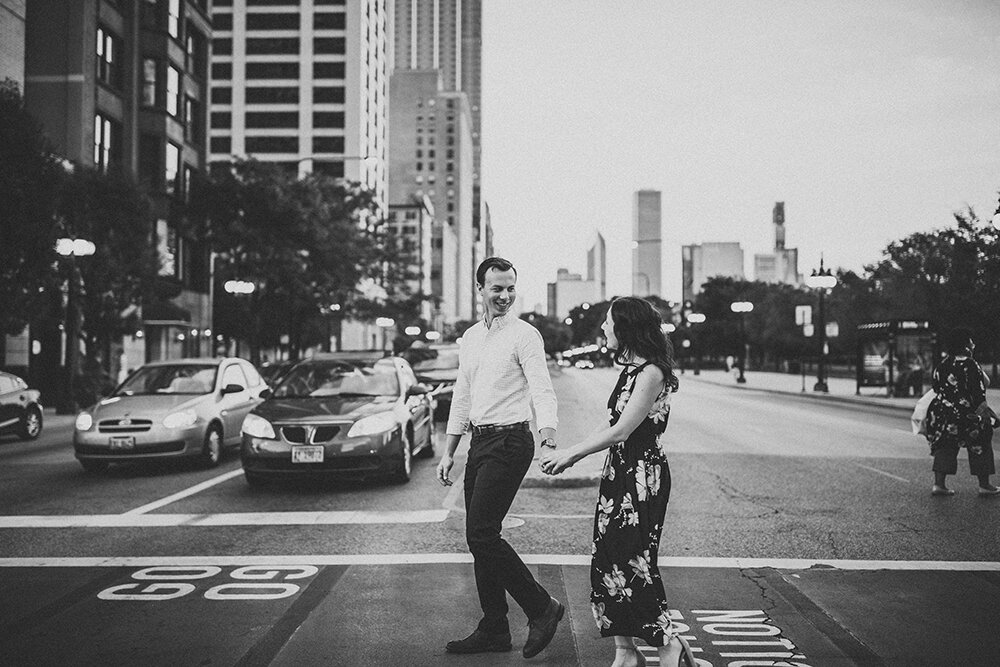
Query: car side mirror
point(418, 390)
point(232, 389)
point(267, 393)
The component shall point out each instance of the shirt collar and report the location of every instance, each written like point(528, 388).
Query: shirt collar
point(499, 322)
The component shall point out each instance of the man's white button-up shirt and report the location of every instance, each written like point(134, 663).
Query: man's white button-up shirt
point(501, 373)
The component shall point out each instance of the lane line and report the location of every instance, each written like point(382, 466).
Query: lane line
point(186, 492)
point(882, 472)
point(347, 517)
point(531, 559)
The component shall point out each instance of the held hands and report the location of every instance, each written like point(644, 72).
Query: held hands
point(443, 469)
point(554, 461)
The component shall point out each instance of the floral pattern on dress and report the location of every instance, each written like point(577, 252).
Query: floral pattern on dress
point(952, 422)
point(627, 596)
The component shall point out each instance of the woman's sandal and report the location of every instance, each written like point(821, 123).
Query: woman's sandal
point(686, 658)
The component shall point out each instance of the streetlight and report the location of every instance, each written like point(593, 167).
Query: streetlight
point(695, 318)
point(243, 288)
point(385, 323)
point(72, 248)
point(742, 308)
point(821, 280)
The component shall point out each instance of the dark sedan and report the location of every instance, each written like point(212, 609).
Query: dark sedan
point(346, 415)
point(437, 366)
point(20, 411)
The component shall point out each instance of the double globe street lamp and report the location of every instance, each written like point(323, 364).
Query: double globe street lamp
point(741, 308)
point(72, 248)
point(821, 280)
point(693, 319)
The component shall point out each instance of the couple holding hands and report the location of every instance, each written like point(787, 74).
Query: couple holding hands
point(502, 372)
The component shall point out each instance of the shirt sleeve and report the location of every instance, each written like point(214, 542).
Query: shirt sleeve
point(531, 356)
point(458, 415)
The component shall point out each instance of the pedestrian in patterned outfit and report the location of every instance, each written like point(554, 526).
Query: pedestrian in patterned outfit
point(627, 596)
point(960, 417)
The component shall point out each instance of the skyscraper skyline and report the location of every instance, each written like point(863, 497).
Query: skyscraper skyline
point(647, 241)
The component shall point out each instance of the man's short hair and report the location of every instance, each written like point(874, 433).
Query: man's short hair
point(498, 263)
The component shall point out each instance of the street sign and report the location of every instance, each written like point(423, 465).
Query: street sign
point(803, 315)
point(807, 330)
point(832, 330)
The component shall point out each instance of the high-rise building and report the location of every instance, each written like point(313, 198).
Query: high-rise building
point(446, 35)
point(12, 14)
point(597, 267)
point(782, 264)
point(127, 90)
point(431, 155)
point(702, 261)
point(646, 243)
point(303, 84)
point(413, 226)
point(567, 292)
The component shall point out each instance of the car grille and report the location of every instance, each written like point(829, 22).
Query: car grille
point(124, 425)
point(333, 463)
point(157, 448)
point(300, 435)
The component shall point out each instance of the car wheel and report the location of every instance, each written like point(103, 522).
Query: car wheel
point(211, 451)
point(94, 466)
point(402, 473)
point(31, 424)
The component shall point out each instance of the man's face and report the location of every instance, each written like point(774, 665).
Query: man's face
point(498, 291)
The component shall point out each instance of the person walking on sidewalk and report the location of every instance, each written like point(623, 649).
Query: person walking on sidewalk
point(501, 373)
point(959, 416)
point(627, 596)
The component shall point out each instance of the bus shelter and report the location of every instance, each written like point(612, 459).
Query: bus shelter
point(899, 355)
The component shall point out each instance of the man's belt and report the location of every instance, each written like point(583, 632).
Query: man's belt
point(480, 429)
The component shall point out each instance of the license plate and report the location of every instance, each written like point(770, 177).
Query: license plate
point(122, 442)
point(307, 454)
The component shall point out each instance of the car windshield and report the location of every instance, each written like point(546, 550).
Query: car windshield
point(441, 361)
point(340, 378)
point(170, 379)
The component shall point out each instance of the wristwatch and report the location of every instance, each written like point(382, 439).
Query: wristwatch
point(549, 442)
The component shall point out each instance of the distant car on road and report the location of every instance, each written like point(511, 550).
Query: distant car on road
point(20, 410)
point(342, 414)
point(437, 366)
point(170, 409)
point(583, 363)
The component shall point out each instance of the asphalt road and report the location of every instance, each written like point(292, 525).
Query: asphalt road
point(755, 476)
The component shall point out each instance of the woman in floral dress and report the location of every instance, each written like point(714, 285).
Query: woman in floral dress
point(960, 417)
point(627, 595)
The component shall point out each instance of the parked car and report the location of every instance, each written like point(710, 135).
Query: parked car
point(20, 411)
point(342, 414)
point(170, 409)
point(437, 366)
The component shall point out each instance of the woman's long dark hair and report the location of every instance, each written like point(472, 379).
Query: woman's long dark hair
point(638, 328)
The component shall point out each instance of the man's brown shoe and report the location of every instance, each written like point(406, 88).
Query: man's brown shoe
point(480, 642)
point(542, 629)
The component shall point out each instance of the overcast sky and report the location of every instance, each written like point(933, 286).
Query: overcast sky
point(870, 120)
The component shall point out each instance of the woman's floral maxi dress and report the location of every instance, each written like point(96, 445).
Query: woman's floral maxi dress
point(627, 596)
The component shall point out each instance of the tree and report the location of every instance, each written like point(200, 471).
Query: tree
point(29, 179)
point(304, 243)
point(556, 336)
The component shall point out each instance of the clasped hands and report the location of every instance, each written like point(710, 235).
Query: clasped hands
point(554, 461)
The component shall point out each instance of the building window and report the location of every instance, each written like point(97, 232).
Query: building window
point(222, 144)
point(222, 120)
point(451, 207)
point(419, 178)
point(149, 72)
point(430, 153)
point(328, 70)
point(272, 21)
point(430, 166)
point(286, 119)
point(328, 95)
point(172, 167)
point(420, 153)
point(222, 46)
point(330, 45)
point(173, 90)
point(174, 18)
point(334, 119)
point(197, 52)
point(109, 64)
point(222, 70)
point(451, 153)
point(431, 178)
point(106, 142)
point(222, 22)
point(222, 95)
point(334, 168)
point(267, 46)
point(450, 179)
point(192, 121)
point(272, 144)
point(272, 70)
point(329, 21)
point(282, 95)
point(328, 144)
point(450, 166)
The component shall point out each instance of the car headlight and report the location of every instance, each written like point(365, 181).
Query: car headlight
point(84, 421)
point(384, 421)
point(182, 419)
point(258, 427)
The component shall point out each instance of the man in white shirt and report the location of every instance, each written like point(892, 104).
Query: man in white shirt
point(501, 373)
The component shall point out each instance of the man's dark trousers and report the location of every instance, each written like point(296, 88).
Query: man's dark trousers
point(497, 463)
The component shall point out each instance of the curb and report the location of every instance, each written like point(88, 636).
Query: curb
point(908, 409)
